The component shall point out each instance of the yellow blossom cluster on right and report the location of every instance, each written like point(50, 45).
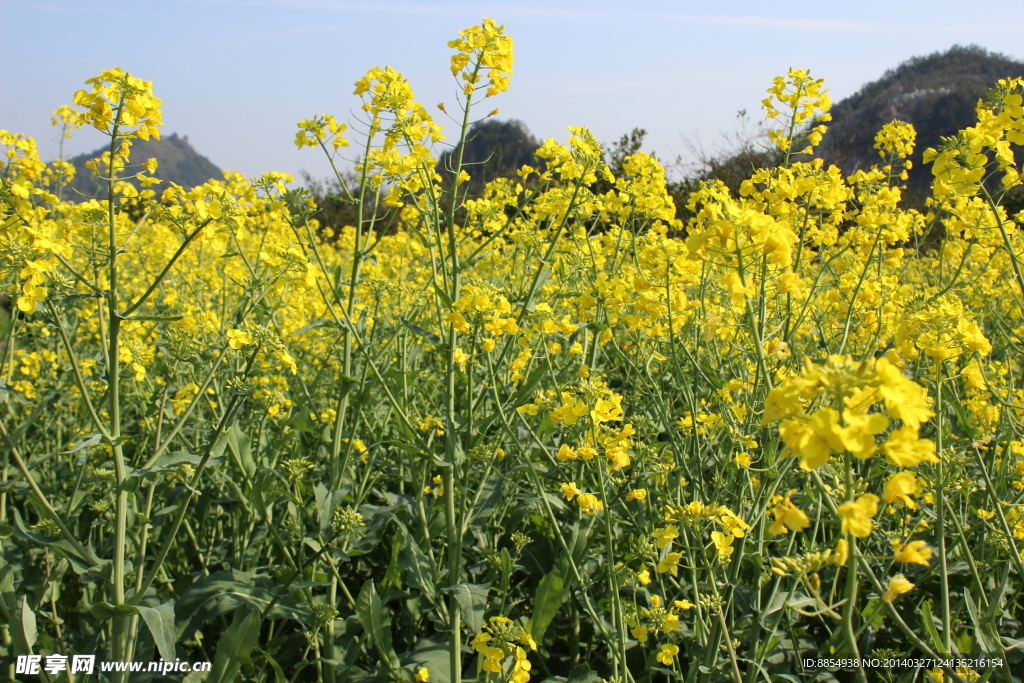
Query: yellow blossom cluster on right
point(843, 423)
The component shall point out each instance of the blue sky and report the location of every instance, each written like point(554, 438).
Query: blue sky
point(235, 75)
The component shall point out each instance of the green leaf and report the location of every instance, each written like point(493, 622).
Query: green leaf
point(82, 564)
point(241, 449)
point(235, 646)
point(393, 575)
point(419, 331)
point(279, 676)
point(222, 592)
point(10, 599)
point(996, 597)
point(170, 461)
point(985, 629)
point(153, 318)
point(491, 495)
point(419, 571)
point(101, 609)
point(408, 448)
point(87, 442)
point(326, 503)
point(443, 296)
point(299, 424)
point(370, 611)
point(160, 620)
point(472, 599)
point(266, 487)
point(546, 602)
point(525, 392)
point(873, 613)
point(23, 633)
point(929, 627)
point(377, 517)
point(434, 656)
point(582, 674)
point(318, 322)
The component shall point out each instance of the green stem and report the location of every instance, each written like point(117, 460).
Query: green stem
point(190, 491)
point(940, 516)
point(850, 606)
point(119, 622)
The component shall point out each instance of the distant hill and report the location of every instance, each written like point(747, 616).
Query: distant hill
point(937, 94)
point(178, 163)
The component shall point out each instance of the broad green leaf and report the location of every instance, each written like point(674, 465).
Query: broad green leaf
point(419, 571)
point(370, 611)
point(443, 295)
point(221, 592)
point(160, 620)
point(7, 593)
point(23, 630)
point(101, 609)
point(299, 424)
point(170, 461)
point(87, 442)
point(489, 497)
point(377, 519)
point(317, 322)
point(235, 647)
point(279, 676)
point(266, 488)
point(153, 318)
point(434, 656)
point(473, 601)
point(326, 503)
point(525, 391)
point(82, 564)
point(241, 449)
point(546, 603)
point(582, 674)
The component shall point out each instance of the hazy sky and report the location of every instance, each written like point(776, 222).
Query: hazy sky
point(235, 75)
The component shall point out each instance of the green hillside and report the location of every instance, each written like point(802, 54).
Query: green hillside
point(937, 94)
point(178, 163)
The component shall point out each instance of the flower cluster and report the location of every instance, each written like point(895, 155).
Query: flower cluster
point(854, 387)
point(500, 638)
point(483, 58)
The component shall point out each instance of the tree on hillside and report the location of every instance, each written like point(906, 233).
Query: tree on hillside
point(493, 149)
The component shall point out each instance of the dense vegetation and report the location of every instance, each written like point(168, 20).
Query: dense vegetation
point(541, 432)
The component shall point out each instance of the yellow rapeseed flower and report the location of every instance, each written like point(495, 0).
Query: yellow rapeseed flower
point(900, 487)
point(664, 536)
point(915, 552)
point(636, 494)
point(856, 515)
point(666, 653)
point(670, 563)
point(898, 585)
point(788, 517)
point(905, 449)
